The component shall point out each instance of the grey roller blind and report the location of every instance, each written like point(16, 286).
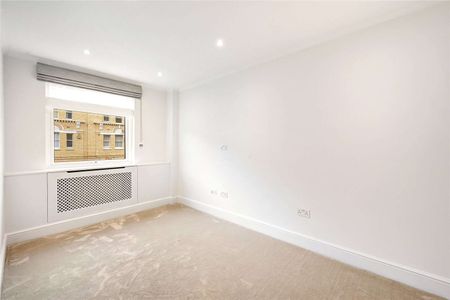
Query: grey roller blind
point(87, 81)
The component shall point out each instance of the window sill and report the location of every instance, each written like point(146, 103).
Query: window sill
point(78, 167)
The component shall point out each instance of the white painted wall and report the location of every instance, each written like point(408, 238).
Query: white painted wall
point(356, 130)
point(25, 201)
point(154, 182)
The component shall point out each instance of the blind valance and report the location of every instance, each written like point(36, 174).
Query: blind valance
point(88, 81)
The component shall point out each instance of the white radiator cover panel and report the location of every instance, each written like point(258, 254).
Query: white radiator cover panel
point(79, 193)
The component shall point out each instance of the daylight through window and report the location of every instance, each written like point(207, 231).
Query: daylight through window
point(85, 136)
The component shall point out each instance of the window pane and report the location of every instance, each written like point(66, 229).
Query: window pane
point(69, 140)
point(70, 93)
point(106, 139)
point(119, 141)
point(118, 119)
point(57, 140)
point(86, 137)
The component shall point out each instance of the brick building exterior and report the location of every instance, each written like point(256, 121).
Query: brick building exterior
point(80, 136)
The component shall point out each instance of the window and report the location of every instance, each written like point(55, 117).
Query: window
point(84, 125)
point(88, 139)
point(57, 141)
point(69, 140)
point(106, 140)
point(119, 142)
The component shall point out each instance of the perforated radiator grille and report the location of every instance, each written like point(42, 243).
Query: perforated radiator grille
point(86, 191)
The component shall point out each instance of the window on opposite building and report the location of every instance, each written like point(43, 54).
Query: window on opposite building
point(105, 118)
point(57, 140)
point(119, 120)
point(118, 141)
point(106, 141)
point(69, 115)
point(69, 140)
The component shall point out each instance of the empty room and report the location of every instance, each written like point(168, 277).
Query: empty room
point(225, 150)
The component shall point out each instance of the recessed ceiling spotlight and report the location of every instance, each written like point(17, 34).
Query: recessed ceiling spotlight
point(159, 74)
point(87, 52)
point(219, 43)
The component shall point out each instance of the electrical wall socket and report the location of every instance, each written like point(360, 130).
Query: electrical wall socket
point(304, 213)
point(216, 193)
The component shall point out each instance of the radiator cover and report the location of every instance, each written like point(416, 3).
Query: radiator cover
point(81, 193)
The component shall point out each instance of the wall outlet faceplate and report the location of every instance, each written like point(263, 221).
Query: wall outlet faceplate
point(304, 213)
point(216, 193)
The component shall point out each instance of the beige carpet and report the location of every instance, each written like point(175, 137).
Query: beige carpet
point(175, 252)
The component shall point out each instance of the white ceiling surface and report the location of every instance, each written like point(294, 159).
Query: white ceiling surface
point(136, 40)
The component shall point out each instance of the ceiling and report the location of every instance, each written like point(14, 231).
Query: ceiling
point(136, 40)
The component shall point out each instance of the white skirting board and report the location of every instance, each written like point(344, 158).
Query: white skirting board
point(415, 278)
point(56, 227)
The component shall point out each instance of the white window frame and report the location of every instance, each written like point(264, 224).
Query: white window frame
point(129, 132)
